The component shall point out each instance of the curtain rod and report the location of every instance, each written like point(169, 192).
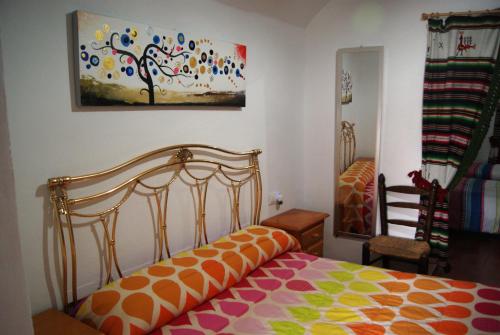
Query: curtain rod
point(426, 16)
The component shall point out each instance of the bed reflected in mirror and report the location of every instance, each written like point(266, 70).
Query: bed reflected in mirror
point(358, 105)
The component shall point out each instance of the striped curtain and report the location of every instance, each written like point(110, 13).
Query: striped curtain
point(461, 87)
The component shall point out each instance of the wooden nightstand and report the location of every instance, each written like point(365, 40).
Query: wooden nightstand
point(57, 323)
point(305, 226)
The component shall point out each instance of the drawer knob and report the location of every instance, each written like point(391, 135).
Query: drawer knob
point(316, 235)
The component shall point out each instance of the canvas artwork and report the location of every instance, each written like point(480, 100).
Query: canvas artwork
point(346, 87)
point(125, 63)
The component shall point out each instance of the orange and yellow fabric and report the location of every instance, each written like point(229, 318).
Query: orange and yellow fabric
point(248, 283)
point(150, 298)
point(301, 294)
point(352, 186)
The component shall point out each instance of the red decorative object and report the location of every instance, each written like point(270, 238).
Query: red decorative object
point(421, 182)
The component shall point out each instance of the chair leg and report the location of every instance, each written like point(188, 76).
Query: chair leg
point(423, 265)
point(366, 253)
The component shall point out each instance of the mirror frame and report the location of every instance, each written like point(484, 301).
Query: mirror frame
point(338, 118)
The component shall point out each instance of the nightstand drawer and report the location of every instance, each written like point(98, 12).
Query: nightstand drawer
point(306, 226)
point(312, 236)
point(315, 249)
point(52, 322)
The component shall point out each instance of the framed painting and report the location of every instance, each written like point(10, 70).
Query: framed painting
point(346, 88)
point(125, 63)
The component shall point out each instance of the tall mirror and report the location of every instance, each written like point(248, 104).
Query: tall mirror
point(358, 123)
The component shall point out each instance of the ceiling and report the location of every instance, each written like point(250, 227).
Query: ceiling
point(296, 12)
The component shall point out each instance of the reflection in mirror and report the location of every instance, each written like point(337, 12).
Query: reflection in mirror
point(358, 101)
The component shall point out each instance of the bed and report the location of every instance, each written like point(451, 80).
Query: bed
point(356, 186)
point(254, 280)
point(475, 201)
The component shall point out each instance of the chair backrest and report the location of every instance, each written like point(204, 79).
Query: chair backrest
point(427, 209)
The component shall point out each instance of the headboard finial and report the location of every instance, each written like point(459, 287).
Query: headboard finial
point(58, 181)
point(184, 154)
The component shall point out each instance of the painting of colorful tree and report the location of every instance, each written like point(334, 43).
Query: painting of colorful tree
point(124, 63)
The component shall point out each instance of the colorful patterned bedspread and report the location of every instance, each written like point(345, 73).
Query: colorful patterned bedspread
point(475, 205)
point(255, 282)
point(368, 198)
point(355, 196)
point(297, 294)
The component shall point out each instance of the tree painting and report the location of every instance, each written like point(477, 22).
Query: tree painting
point(346, 87)
point(122, 63)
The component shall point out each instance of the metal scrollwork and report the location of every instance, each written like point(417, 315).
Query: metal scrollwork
point(184, 154)
point(236, 168)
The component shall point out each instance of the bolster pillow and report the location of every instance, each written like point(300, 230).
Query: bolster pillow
point(152, 297)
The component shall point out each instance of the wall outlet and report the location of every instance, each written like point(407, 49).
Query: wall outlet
point(276, 198)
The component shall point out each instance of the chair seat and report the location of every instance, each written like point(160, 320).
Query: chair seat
point(399, 247)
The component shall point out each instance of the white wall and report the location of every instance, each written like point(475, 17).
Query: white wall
point(50, 137)
point(362, 111)
point(396, 25)
point(15, 312)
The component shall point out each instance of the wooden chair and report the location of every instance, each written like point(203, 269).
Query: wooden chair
point(405, 249)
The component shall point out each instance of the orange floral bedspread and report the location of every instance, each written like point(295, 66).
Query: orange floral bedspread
point(352, 187)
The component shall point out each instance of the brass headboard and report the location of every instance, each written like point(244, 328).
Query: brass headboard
point(232, 169)
point(348, 144)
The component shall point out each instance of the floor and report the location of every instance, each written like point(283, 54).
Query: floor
point(474, 257)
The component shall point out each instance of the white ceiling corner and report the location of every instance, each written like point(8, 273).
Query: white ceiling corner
point(296, 12)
